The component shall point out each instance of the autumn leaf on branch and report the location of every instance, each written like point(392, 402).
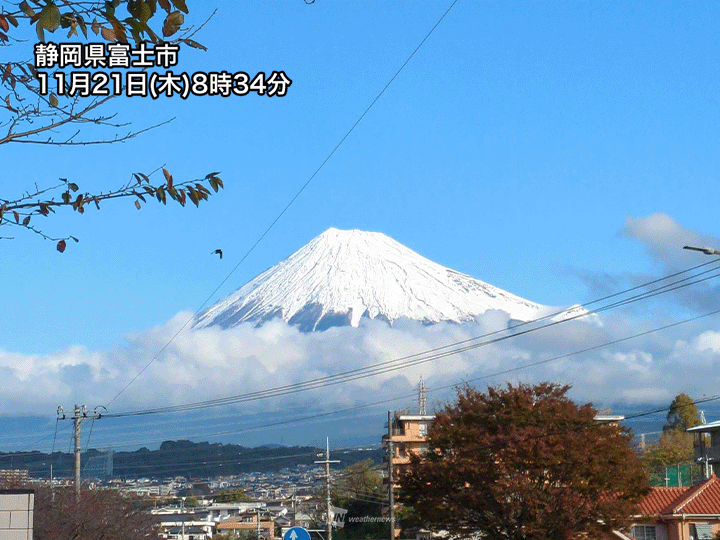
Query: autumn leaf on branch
point(31, 114)
point(65, 194)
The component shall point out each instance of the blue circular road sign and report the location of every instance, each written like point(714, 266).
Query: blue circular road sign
point(296, 533)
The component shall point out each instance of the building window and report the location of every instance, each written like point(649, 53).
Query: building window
point(423, 429)
point(701, 531)
point(644, 532)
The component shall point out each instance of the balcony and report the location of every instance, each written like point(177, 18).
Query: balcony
point(409, 438)
point(712, 452)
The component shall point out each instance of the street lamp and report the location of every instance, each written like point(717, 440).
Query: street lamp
point(705, 250)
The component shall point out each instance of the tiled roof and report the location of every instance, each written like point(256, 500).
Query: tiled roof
point(659, 499)
point(702, 498)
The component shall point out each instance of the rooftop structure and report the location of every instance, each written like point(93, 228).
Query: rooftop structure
point(707, 447)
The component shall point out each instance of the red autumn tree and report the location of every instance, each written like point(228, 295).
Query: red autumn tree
point(101, 515)
point(524, 462)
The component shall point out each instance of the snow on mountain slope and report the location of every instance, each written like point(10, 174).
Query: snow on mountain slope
point(341, 276)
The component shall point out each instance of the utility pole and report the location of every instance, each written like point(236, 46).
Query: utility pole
point(327, 462)
point(391, 479)
point(182, 516)
point(76, 436)
point(80, 413)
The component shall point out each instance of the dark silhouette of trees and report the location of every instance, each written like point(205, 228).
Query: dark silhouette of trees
point(524, 462)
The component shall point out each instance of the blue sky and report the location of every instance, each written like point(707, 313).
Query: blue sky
point(513, 147)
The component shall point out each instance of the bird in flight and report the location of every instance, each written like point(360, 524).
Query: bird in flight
point(217, 252)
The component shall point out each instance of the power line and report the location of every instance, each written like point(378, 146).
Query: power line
point(303, 420)
point(665, 409)
point(665, 288)
point(296, 421)
point(426, 356)
point(289, 204)
point(534, 363)
point(525, 366)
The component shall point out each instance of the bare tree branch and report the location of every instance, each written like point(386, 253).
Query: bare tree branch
point(31, 114)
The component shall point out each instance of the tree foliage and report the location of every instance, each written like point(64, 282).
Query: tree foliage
point(232, 495)
point(675, 446)
point(359, 480)
point(358, 488)
point(101, 514)
point(683, 414)
point(31, 115)
point(524, 462)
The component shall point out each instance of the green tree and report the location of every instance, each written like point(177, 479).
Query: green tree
point(524, 462)
point(361, 479)
point(191, 502)
point(673, 449)
point(683, 414)
point(232, 495)
point(675, 446)
point(359, 489)
point(32, 114)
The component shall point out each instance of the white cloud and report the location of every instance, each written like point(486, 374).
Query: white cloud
point(707, 341)
point(664, 238)
point(183, 366)
point(209, 363)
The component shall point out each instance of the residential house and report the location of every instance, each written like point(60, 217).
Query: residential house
point(680, 513)
point(247, 526)
point(184, 527)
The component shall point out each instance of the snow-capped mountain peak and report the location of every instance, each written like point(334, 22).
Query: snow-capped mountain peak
point(340, 277)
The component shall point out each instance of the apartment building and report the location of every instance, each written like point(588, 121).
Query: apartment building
point(407, 436)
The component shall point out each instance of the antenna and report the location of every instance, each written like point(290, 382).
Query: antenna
point(422, 400)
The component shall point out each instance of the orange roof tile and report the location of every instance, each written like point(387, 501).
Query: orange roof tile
point(702, 498)
point(660, 499)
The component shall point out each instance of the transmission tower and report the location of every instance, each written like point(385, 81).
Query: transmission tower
point(422, 399)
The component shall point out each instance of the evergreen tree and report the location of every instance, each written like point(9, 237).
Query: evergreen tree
point(683, 414)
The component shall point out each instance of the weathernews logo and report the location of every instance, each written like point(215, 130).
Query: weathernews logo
point(368, 519)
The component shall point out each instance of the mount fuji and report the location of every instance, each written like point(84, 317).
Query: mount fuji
point(340, 277)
